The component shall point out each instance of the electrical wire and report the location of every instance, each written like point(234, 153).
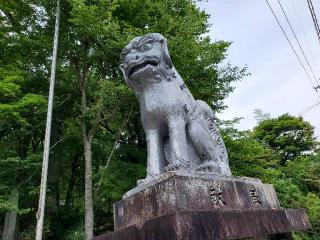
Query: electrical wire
point(295, 36)
point(294, 51)
point(316, 25)
point(309, 108)
point(314, 18)
point(314, 63)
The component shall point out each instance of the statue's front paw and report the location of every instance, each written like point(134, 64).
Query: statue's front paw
point(208, 167)
point(174, 167)
point(145, 180)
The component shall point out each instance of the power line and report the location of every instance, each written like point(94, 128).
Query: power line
point(309, 108)
point(295, 36)
point(290, 43)
point(316, 26)
point(314, 18)
point(305, 37)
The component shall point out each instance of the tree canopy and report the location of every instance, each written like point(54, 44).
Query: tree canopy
point(287, 135)
point(96, 117)
point(296, 182)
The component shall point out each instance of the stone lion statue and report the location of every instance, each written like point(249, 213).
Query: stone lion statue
point(180, 131)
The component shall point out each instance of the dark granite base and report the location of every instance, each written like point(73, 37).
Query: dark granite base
point(187, 206)
point(182, 191)
point(216, 225)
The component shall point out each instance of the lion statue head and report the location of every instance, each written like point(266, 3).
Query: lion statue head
point(145, 58)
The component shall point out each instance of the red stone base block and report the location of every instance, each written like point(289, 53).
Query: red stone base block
point(216, 225)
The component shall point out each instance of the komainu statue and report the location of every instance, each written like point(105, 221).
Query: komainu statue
point(180, 131)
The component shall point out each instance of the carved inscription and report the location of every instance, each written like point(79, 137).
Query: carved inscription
point(254, 195)
point(216, 195)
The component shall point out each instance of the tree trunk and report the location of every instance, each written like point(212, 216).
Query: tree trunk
point(10, 221)
point(87, 142)
point(53, 195)
point(72, 180)
point(88, 189)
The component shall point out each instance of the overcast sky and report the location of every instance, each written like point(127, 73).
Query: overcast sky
point(277, 83)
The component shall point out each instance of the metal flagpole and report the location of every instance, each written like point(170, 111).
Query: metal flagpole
point(43, 186)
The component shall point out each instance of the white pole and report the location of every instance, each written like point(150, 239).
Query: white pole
point(43, 186)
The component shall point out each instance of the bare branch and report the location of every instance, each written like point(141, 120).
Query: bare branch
point(56, 143)
point(124, 123)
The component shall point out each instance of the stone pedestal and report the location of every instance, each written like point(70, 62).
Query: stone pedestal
point(193, 206)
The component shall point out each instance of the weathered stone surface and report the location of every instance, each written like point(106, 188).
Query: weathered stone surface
point(181, 132)
point(216, 225)
point(187, 173)
point(183, 191)
point(188, 206)
point(128, 233)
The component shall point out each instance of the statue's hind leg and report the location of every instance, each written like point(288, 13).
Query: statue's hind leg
point(206, 140)
point(202, 142)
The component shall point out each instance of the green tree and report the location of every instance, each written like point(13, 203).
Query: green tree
point(287, 135)
point(248, 157)
point(296, 183)
point(96, 117)
point(19, 134)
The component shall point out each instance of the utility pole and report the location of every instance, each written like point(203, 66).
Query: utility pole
point(45, 162)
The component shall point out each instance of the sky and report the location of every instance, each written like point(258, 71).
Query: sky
point(278, 83)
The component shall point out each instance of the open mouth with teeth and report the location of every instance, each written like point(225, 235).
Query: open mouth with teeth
point(142, 65)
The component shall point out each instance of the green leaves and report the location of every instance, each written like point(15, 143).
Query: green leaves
point(248, 157)
point(287, 135)
point(260, 153)
point(22, 113)
point(9, 91)
point(92, 35)
point(116, 183)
